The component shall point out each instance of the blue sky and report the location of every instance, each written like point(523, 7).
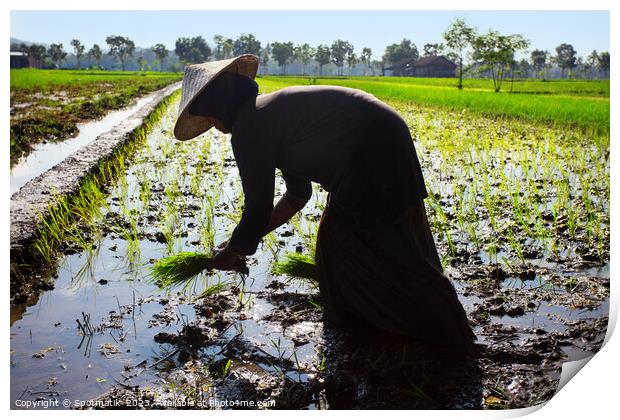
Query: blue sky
point(585, 30)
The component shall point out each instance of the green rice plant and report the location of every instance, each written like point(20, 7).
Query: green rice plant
point(180, 269)
point(170, 225)
point(133, 251)
point(167, 148)
point(204, 150)
point(472, 229)
point(492, 249)
point(43, 247)
point(515, 243)
point(205, 218)
point(306, 229)
point(195, 184)
point(571, 221)
point(244, 303)
point(213, 289)
point(145, 190)
point(442, 222)
point(271, 242)
point(297, 266)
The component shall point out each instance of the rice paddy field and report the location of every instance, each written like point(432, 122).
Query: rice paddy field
point(519, 205)
point(47, 105)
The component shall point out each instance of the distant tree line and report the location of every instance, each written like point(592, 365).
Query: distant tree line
point(491, 54)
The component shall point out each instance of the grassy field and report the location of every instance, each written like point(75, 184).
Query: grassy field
point(598, 88)
point(37, 79)
point(48, 104)
point(582, 105)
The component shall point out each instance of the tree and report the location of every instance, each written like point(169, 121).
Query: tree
point(121, 47)
point(95, 54)
point(591, 63)
point(57, 54)
point(223, 47)
point(246, 44)
point(283, 53)
point(323, 55)
point(497, 51)
point(36, 51)
point(339, 51)
point(264, 57)
point(365, 58)
point(539, 60)
point(192, 50)
point(458, 36)
point(396, 52)
point(566, 57)
point(78, 49)
point(161, 52)
point(377, 65)
point(431, 50)
point(352, 60)
point(141, 63)
point(524, 67)
point(303, 54)
point(580, 65)
point(603, 63)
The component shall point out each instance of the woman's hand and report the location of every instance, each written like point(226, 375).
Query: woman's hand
point(227, 259)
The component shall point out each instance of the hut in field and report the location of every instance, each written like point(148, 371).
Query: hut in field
point(21, 59)
point(431, 66)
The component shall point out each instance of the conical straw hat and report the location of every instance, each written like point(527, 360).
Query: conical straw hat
point(196, 78)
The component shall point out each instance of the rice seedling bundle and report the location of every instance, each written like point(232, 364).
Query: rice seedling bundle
point(180, 268)
point(297, 266)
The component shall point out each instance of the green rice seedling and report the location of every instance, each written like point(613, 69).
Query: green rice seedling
point(195, 184)
point(213, 289)
point(180, 269)
point(205, 219)
point(247, 303)
point(306, 229)
point(519, 211)
point(170, 225)
point(167, 148)
point(271, 242)
point(571, 221)
point(204, 149)
point(43, 245)
point(539, 227)
point(448, 235)
point(133, 243)
point(145, 190)
point(443, 223)
point(515, 243)
point(461, 215)
point(297, 266)
point(472, 229)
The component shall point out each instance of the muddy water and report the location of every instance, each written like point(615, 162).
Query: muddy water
point(133, 338)
point(46, 155)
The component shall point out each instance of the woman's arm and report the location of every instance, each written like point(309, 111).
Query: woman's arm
point(298, 192)
point(282, 212)
point(229, 259)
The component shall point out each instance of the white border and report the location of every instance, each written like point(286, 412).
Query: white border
point(590, 395)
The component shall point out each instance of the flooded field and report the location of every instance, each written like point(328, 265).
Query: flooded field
point(520, 215)
point(45, 155)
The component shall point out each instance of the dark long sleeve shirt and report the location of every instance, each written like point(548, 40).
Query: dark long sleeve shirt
point(357, 147)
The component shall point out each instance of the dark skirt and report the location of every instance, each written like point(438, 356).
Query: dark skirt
point(389, 278)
